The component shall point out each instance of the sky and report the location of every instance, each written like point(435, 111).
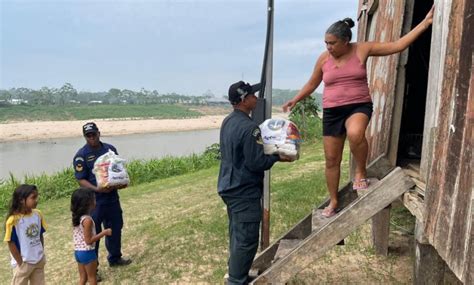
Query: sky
point(182, 46)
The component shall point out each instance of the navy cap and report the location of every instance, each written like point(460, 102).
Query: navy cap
point(90, 127)
point(239, 90)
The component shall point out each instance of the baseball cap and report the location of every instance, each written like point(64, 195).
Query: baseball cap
point(90, 127)
point(239, 90)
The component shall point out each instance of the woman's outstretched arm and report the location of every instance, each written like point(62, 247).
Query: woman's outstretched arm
point(381, 49)
point(311, 85)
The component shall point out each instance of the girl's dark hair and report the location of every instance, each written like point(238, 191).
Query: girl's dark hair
point(20, 194)
point(81, 201)
point(342, 29)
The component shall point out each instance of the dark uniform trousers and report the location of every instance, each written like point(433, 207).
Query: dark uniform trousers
point(244, 225)
point(110, 215)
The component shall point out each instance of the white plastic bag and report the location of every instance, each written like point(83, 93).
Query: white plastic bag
point(280, 136)
point(110, 171)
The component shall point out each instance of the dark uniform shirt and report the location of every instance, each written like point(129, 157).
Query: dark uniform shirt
point(243, 161)
point(84, 163)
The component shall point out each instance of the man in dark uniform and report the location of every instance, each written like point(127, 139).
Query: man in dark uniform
point(107, 210)
point(240, 182)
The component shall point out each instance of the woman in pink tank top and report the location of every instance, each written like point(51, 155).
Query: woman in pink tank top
point(347, 105)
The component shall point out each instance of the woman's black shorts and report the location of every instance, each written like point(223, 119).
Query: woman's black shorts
point(334, 119)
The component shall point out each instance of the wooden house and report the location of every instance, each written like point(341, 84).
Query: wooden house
point(420, 144)
point(423, 119)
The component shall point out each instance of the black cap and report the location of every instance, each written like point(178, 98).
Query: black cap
point(90, 127)
point(239, 90)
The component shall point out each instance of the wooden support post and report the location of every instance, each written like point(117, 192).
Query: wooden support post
point(381, 230)
point(429, 266)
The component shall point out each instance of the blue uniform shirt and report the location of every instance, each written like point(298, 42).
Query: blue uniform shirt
point(84, 163)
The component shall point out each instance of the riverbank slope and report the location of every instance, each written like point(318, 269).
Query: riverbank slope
point(20, 131)
point(38, 130)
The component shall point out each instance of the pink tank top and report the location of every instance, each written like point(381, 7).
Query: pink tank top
point(346, 84)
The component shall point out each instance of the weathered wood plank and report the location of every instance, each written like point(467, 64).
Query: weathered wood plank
point(303, 228)
point(415, 205)
point(400, 87)
point(419, 184)
point(313, 247)
point(412, 173)
point(415, 167)
point(381, 231)
point(438, 50)
point(286, 245)
point(300, 231)
point(466, 173)
point(428, 266)
point(319, 220)
point(419, 191)
point(380, 167)
point(449, 185)
point(415, 176)
point(386, 25)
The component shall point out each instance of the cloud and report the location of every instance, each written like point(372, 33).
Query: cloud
point(301, 47)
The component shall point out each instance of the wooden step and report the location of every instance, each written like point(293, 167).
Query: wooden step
point(372, 183)
point(300, 231)
point(345, 200)
point(285, 246)
point(378, 196)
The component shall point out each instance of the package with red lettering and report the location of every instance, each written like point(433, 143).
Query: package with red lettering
point(109, 170)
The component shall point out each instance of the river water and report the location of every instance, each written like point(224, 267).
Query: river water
point(49, 156)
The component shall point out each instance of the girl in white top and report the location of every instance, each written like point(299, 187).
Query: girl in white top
point(24, 234)
point(84, 234)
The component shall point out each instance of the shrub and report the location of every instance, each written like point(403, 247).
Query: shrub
point(305, 116)
point(63, 183)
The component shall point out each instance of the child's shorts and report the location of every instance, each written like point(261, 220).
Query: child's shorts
point(85, 256)
point(334, 119)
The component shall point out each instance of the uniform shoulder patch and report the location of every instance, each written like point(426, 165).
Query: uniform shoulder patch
point(257, 135)
point(256, 132)
point(78, 164)
point(79, 167)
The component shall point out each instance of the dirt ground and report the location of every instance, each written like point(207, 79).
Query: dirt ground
point(356, 263)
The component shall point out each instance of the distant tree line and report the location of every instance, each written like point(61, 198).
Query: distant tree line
point(68, 95)
point(280, 96)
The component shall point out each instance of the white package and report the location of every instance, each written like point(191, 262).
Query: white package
point(280, 136)
point(109, 170)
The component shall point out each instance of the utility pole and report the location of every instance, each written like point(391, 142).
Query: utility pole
point(262, 112)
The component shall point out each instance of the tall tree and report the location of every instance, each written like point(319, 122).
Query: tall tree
point(66, 93)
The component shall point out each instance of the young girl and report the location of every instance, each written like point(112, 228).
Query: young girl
point(84, 234)
point(24, 233)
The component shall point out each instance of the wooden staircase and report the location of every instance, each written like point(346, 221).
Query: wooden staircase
point(314, 235)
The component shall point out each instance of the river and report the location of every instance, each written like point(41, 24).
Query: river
point(48, 156)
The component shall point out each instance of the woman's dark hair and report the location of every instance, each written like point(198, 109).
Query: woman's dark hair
point(342, 29)
point(20, 194)
point(81, 201)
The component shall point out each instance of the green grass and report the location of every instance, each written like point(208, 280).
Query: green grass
point(62, 183)
point(176, 230)
point(82, 112)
